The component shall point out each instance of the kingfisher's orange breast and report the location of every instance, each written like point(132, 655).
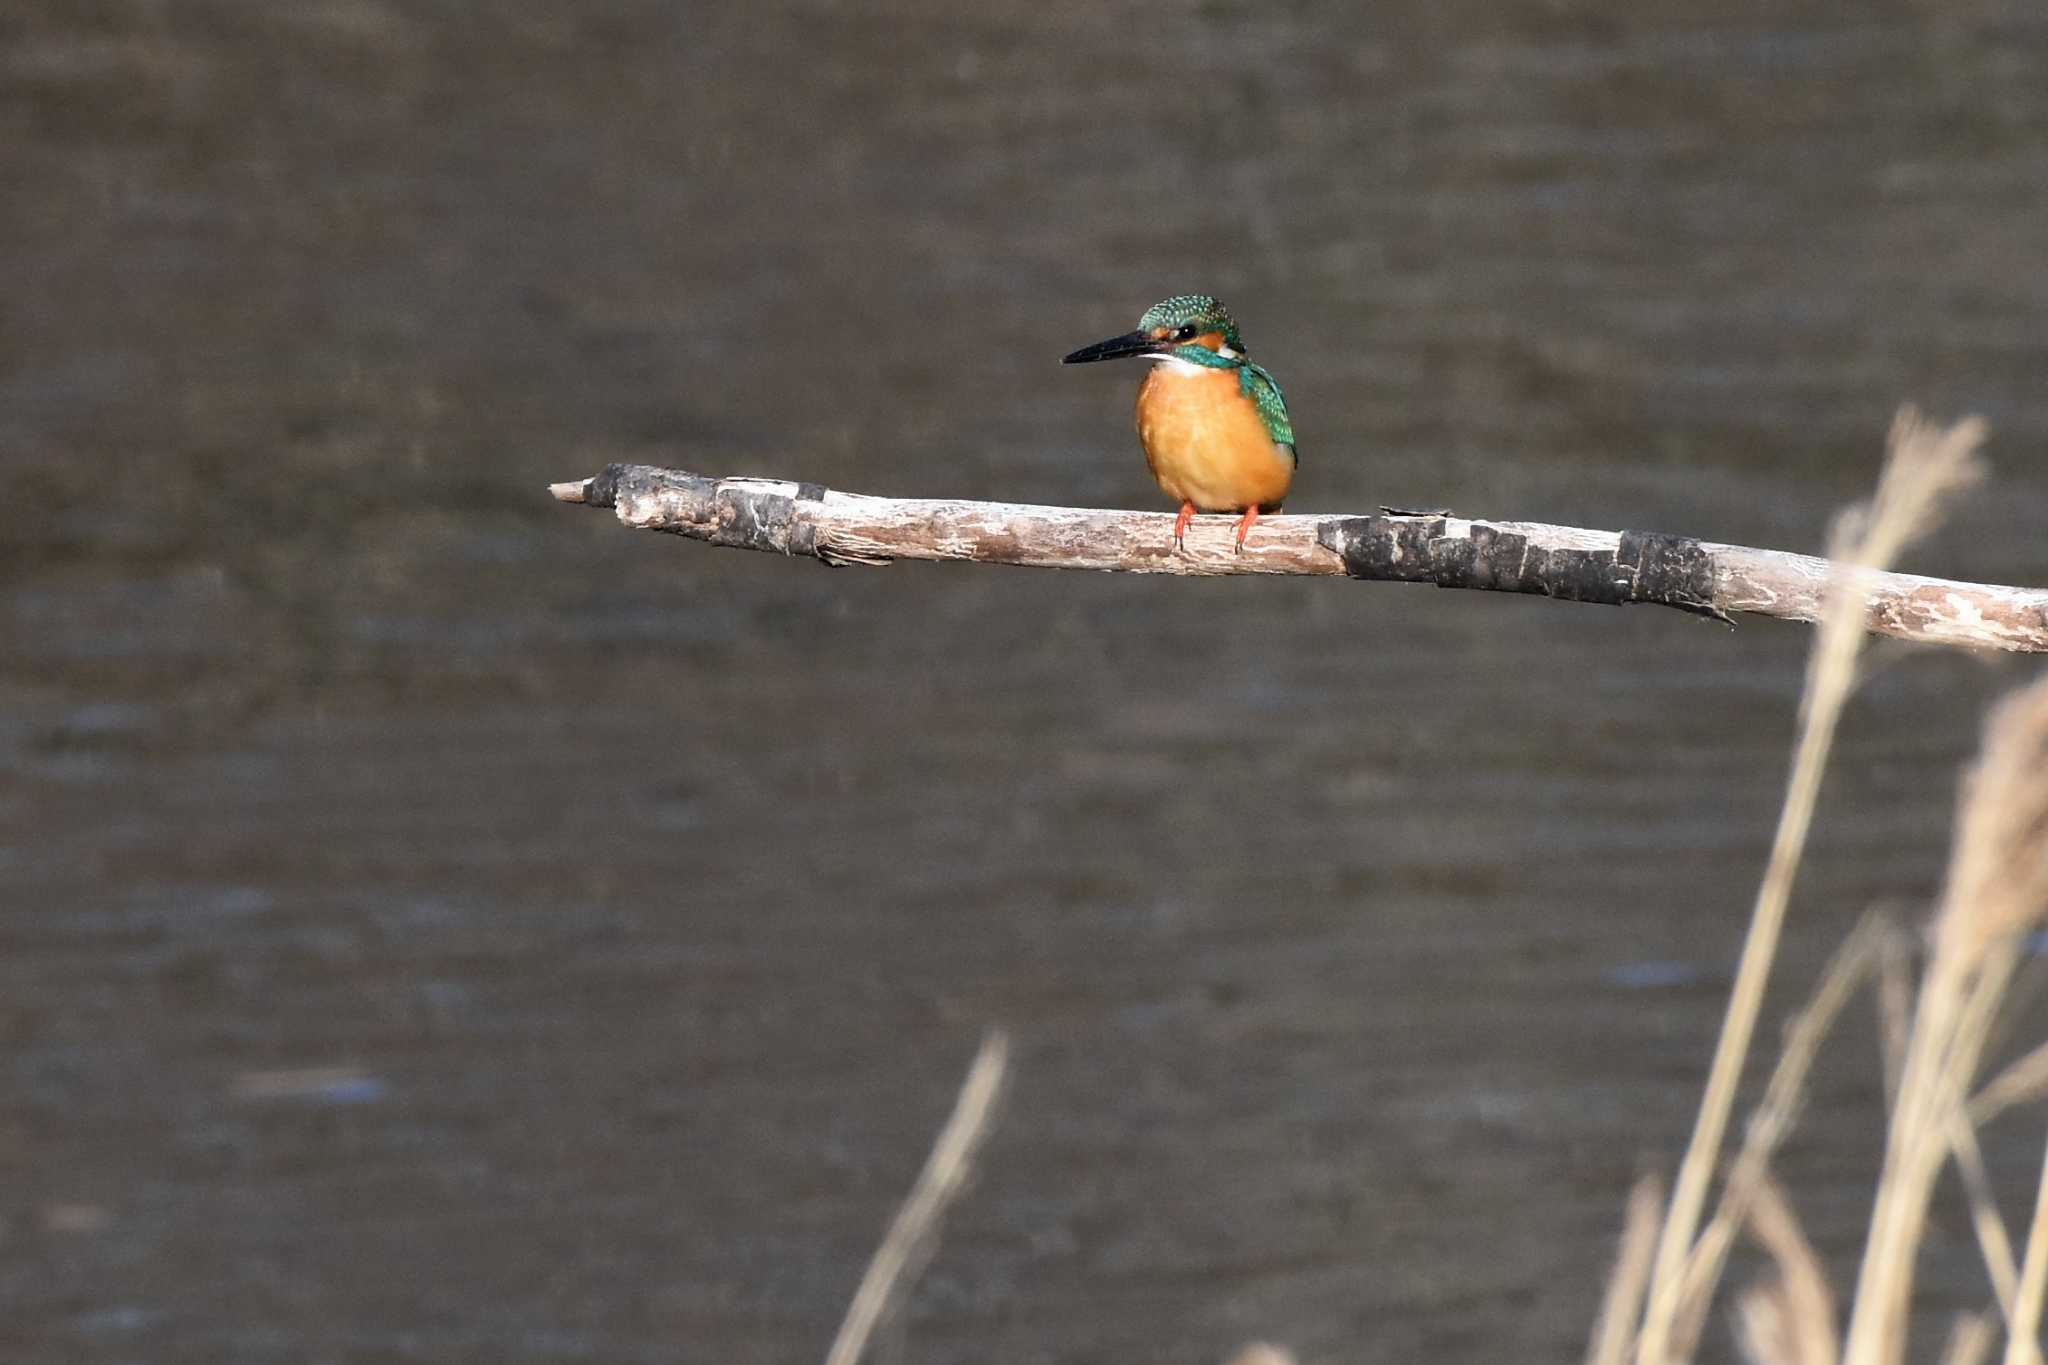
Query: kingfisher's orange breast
point(1204, 441)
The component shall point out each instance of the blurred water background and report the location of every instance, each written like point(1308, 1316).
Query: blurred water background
point(436, 924)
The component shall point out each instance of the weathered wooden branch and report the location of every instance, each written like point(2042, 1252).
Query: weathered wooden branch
point(1453, 552)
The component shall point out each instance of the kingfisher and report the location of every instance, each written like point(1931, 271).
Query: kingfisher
point(1214, 425)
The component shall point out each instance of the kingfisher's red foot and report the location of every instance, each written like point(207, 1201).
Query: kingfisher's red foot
point(1180, 524)
point(1244, 524)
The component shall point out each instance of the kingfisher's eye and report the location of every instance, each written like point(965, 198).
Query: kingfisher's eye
point(1186, 333)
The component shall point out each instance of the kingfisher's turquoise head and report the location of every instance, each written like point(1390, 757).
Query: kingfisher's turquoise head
point(1174, 327)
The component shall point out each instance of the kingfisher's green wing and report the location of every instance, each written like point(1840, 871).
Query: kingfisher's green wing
point(1264, 391)
point(1254, 382)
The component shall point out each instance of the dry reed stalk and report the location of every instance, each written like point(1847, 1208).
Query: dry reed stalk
point(1263, 1353)
point(1894, 1011)
point(1623, 1302)
point(1791, 1320)
point(1874, 940)
point(1895, 1023)
point(1924, 465)
point(2023, 1334)
point(1773, 1120)
point(1992, 1238)
point(909, 1239)
point(1969, 1341)
point(1997, 892)
point(2025, 1080)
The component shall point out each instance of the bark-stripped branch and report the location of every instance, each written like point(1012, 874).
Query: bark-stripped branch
point(1453, 552)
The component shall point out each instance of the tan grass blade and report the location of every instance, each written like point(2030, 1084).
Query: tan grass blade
point(1773, 1120)
point(2024, 1081)
point(1894, 1010)
point(2023, 1336)
point(1998, 876)
point(1969, 1341)
point(1790, 1321)
point(1997, 892)
point(1263, 1353)
point(910, 1236)
point(1924, 465)
point(1622, 1305)
point(1992, 1238)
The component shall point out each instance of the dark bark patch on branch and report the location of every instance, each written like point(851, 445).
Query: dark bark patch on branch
point(1389, 549)
point(749, 519)
point(1489, 558)
point(1576, 576)
point(603, 491)
point(803, 532)
point(1676, 571)
point(1672, 571)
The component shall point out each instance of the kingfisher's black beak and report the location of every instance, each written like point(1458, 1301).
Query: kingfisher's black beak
point(1116, 348)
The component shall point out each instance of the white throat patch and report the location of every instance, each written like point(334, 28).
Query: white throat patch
point(1179, 366)
point(1176, 364)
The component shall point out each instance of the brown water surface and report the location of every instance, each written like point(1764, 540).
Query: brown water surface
point(436, 924)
